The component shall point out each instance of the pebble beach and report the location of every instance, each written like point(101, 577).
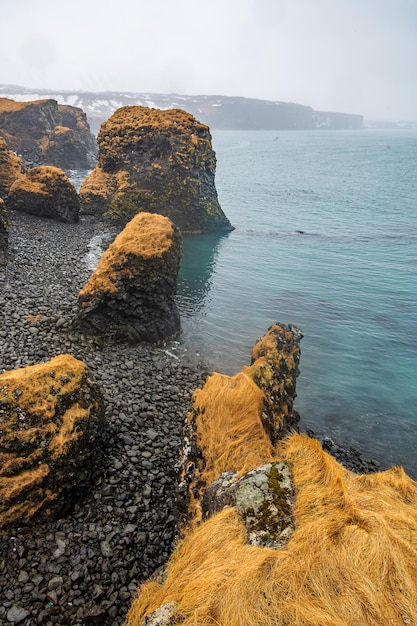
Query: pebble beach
point(86, 566)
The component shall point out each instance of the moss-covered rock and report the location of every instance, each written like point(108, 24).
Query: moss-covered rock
point(131, 294)
point(159, 162)
point(51, 415)
point(45, 191)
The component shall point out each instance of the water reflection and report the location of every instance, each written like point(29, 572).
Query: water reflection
point(197, 266)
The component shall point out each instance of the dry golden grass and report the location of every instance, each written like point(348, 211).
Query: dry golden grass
point(146, 235)
point(351, 561)
point(226, 417)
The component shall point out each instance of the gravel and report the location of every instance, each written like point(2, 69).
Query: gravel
point(86, 566)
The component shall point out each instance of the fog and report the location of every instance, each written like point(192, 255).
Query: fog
point(354, 56)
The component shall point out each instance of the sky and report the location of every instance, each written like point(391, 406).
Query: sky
point(352, 56)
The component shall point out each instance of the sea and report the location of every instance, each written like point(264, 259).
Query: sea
point(325, 239)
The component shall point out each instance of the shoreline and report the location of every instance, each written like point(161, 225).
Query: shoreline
point(86, 567)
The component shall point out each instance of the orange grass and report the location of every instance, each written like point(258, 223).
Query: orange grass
point(146, 235)
point(227, 420)
point(351, 561)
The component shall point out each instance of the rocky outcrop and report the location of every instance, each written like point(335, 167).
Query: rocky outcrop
point(159, 162)
point(254, 406)
point(283, 533)
point(131, 293)
point(11, 168)
point(50, 419)
point(45, 191)
point(4, 233)
point(43, 132)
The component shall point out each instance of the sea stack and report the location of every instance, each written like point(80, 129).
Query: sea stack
point(155, 161)
point(131, 293)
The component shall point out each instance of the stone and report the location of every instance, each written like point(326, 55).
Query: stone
point(162, 616)
point(51, 416)
point(131, 294)
point(159, 162)
point(17, 614)
point(264, 497)
point(43, 132)
point(45, 191)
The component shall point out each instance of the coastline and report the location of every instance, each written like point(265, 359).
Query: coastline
point(87, 565)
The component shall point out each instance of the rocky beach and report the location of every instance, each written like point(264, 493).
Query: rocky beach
point(85, 567)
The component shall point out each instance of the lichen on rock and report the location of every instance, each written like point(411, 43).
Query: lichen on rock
point(159, 162)
point(131, 294)
point(51, 414)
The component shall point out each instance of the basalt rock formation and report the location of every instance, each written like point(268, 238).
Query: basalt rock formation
point(45, 133)
point(159, 162)
point(131, 293)
point(45, 191)
point(11, 168)
point(4, 233)
point(297, 541)
point(50, 416)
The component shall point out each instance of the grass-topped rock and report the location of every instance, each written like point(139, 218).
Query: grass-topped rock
point(45, 191)
point(51, 416)
point(131, 294)
point(155, 161)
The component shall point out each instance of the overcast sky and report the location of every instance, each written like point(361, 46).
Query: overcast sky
point(355, 56)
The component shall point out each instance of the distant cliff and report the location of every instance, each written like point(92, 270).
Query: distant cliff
point(41, 131)
point(218, 112)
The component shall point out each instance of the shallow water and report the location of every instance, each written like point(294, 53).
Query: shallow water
point(326, 239)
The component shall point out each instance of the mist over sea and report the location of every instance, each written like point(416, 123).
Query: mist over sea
point(326, 239)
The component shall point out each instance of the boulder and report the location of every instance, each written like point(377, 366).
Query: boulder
point(11, 168)
point(159, 162)
point(51, 420)
point(236, 420)
point(131, 293)
point(43, 132)
point(45, 191)
point(4, 233)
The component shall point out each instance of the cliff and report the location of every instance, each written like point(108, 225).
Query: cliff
point(215, 111)
point(43, 132)
point(284, 534)
point(159, 162)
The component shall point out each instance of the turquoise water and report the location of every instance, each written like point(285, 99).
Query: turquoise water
point(326, 239)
